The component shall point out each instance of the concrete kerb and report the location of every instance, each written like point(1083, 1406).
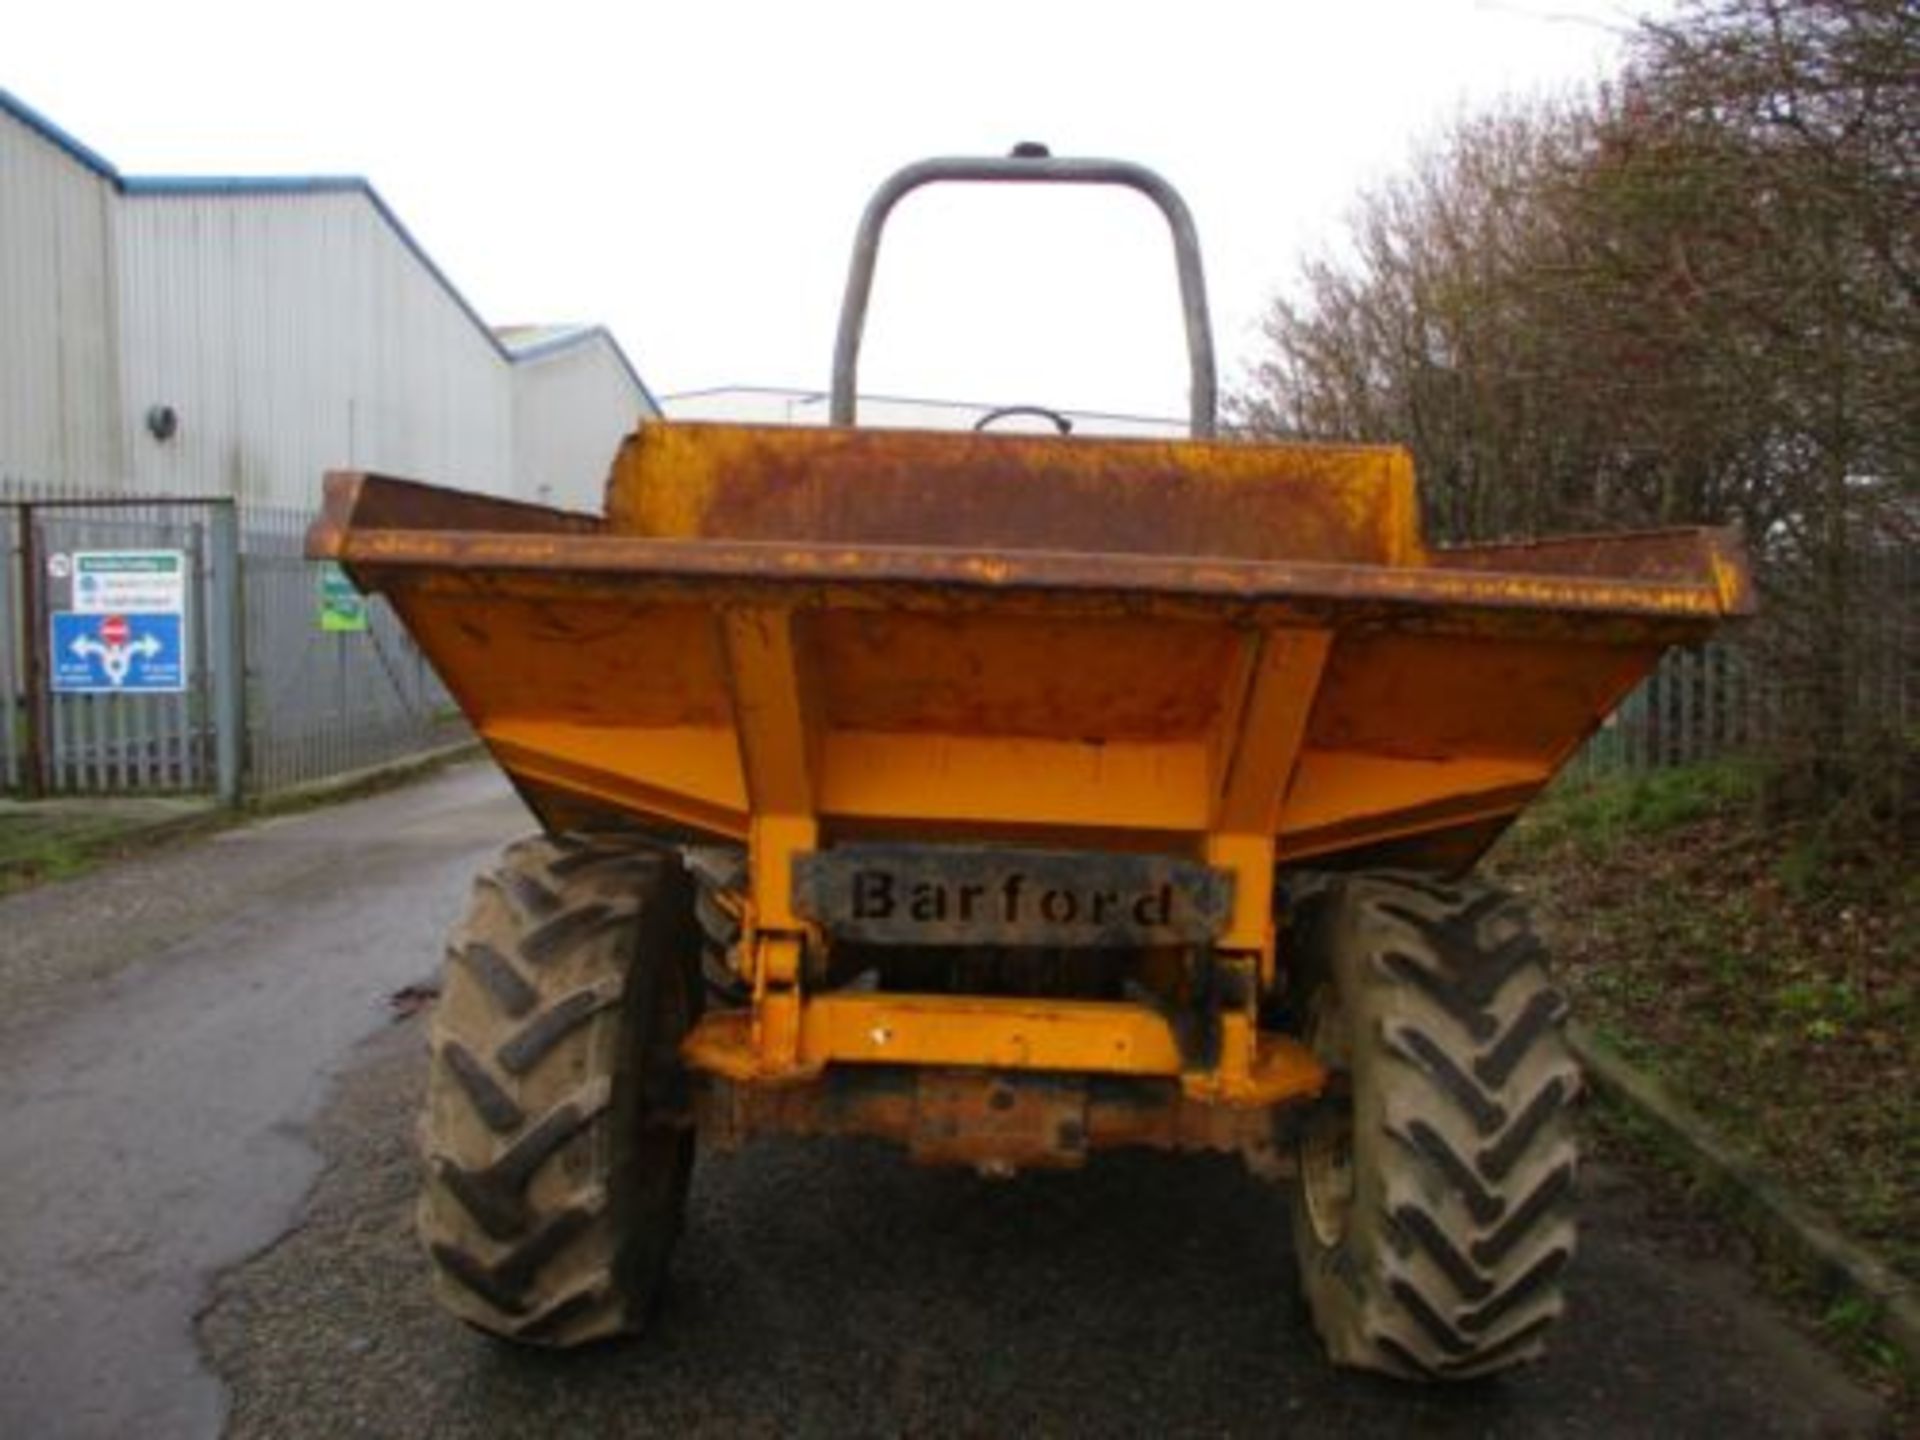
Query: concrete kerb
point(1837, 1267)
point(352, 783)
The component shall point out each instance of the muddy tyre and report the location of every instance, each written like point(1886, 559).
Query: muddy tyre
point(1431, 1221)
point(557, 1136)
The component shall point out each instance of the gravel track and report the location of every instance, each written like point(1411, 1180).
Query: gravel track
point(832, 1289)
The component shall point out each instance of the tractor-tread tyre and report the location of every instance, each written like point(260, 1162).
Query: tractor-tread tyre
point(1430, 1001)
point(557, 1134)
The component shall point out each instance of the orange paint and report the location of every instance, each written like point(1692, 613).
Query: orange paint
point(1242, 653)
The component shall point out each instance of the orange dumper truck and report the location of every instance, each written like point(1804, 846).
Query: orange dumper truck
point(1014, 797)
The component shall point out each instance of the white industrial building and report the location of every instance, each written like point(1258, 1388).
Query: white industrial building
point(239, 337)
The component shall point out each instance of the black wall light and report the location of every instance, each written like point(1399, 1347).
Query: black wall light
point(162, 421)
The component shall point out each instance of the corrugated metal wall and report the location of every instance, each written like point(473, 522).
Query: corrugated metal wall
point(59, 386)
point(571, 408)
point(291, 326)
point(293, 334)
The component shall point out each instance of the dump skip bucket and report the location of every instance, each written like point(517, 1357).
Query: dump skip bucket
point(1120, 643)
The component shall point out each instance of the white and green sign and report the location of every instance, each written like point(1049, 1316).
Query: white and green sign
point(129, 582)
point(343, 609)
point(123, 629)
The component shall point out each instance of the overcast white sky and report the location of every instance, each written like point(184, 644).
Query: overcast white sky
point(690, 174)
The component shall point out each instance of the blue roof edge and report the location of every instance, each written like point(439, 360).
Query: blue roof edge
point(55, 136)
point(156, 186)
point(586, 335)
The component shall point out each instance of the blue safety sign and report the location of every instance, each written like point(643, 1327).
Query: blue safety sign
point(118, 653)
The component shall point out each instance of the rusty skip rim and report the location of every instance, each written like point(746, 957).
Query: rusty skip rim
point(373, 553)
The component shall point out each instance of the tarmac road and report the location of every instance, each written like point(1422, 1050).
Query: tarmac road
point(167, 1027)
point(162, 1117)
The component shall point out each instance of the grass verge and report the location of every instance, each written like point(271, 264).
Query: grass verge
point(41, 844)
point(1761, 969)
point(57, 841)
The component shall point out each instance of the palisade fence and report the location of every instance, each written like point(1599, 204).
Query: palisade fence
point(311, 704)
point(1757, 691)
point(1700, 703)
point(321, 704)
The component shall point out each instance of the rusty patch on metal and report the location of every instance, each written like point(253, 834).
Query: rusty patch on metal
point(995, 1120)
point(474, 544)
point(998, 1123)
point(978, 491)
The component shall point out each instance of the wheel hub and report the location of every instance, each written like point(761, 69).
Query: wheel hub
point(1326, 1172)
point(1326, 1146)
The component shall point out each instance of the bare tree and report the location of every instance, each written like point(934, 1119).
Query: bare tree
point(1689, 297)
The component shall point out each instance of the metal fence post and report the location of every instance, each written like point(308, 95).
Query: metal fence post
point(33, 633)
point(229, 650)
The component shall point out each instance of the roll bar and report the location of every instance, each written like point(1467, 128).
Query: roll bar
point(1030, 164)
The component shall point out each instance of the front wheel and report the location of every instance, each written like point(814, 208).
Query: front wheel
point(1431, 1220)
point(556, 1135)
